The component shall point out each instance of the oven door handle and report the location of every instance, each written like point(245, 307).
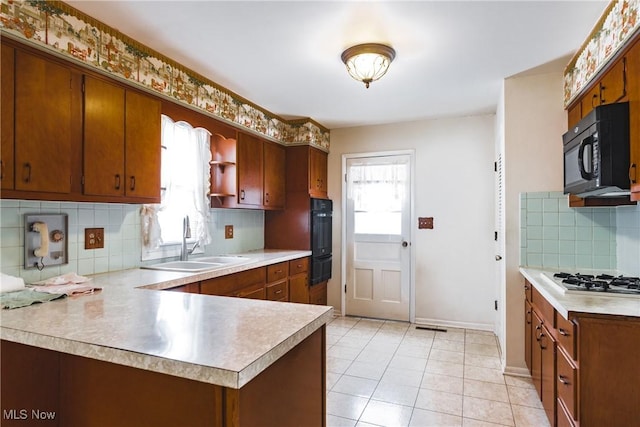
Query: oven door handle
point(583, 145)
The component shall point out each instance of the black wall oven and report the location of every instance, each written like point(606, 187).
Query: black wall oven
point(321, 220)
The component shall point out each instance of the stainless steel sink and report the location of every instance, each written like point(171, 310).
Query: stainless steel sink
point(200, 264)
point(224, 259)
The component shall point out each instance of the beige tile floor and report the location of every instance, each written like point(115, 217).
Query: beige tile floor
point(383, 373)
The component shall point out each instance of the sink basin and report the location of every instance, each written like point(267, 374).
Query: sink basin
point(200, 264)
point(189, 266)
point(226, 260)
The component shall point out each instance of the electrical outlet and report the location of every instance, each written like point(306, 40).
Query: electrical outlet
point(228, 231)
point(425, 222)
point(93, 238)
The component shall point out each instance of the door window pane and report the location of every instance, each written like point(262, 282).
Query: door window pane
point(378, 192)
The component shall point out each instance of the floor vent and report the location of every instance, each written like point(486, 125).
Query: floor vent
point(431, 328)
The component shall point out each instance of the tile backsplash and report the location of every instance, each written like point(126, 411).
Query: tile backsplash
point(122, 243)
point(552, 235)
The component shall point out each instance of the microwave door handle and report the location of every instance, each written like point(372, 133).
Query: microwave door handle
point(583, 145)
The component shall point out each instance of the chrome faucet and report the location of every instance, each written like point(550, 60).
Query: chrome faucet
point(186, 234)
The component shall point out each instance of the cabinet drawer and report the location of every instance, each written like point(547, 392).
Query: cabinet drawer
point(278, 291)
point(545, 309)
point(297, 266)
point(567, 375)
point(277, 272)
point(255, 291)
point(566, 335)
point(564, 419)
point(226, 285)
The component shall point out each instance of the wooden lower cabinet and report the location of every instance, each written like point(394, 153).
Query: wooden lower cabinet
point(318, 294)
point(190, 288)
point(81, 392)
point(286, 281)
point(244, 284)
point(585, 368)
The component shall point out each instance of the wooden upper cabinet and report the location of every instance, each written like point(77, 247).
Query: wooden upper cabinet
point(613, 84)
point(274, 175)
point(42, 125)
point(142, 142)
point(104, 108)
point(121, 142)
point(590, 100)
point(250, 170)
point(317, 173)
point(633, 96)
point(574, 114)
point(7, 74)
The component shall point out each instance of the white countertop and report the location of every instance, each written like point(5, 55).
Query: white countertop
point(581, 303)
point(218, 340)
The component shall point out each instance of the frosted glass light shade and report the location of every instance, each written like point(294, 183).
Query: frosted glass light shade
point(368, 62)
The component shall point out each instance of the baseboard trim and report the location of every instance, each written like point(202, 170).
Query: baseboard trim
point(516, 372)
point(420, 321)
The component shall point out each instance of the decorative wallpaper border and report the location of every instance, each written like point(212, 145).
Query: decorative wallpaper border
point(618, 23)
point(59, 27)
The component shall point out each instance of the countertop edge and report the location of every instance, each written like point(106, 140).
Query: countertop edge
point(280, 350)
point(569, 305)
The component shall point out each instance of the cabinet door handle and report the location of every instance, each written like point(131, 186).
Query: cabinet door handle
point(299, 265)
point(1, 170)
point(595, 96)
point(241, 194)
point(563, 380)
point(117, 181)
point(27, 176)
point(266, 198)
point(132, 183)
point(278, 271)
point(543, 347)
point(563, 332)
point(528, 317)
point(279, 291)
point(632, 178)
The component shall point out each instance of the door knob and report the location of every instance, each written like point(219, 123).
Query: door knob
point(498, 257)
point(405, 244)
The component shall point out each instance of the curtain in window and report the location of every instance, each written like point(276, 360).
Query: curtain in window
point(378, 193)
point(185, 181)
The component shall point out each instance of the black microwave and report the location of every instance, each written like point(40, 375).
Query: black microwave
point(596, 153)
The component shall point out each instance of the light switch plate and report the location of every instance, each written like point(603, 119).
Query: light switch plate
point(228, 231)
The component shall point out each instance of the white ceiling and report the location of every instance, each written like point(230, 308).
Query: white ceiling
point(285, 56)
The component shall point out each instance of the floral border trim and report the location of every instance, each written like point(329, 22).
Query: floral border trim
point(59, 27)
point(619, 21)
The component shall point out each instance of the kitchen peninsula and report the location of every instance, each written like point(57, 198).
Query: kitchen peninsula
point(134, 355)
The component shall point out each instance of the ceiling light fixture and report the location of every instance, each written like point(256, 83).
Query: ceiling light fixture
point(368, 62)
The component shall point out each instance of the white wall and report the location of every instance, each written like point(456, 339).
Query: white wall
point(454, 271)
point(534, 121)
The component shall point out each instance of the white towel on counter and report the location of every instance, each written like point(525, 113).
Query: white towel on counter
point(10, 283)
point(67, 284)
point(65, 279)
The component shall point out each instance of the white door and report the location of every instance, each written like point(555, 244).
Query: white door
point(378, 247)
